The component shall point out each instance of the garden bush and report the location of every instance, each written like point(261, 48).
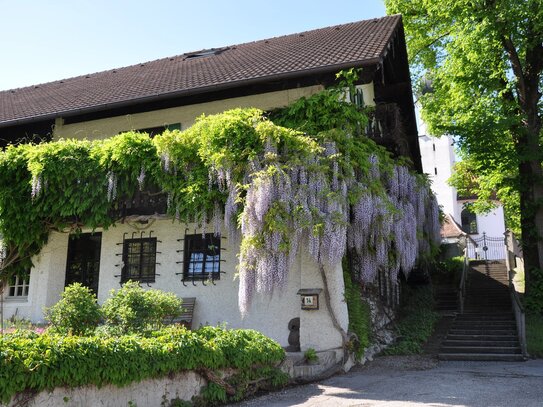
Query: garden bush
point(416, 322)
point(29, 361)
point(76, 313)
point(534, 334)
point(131, 309)
point(359, 314)
point(448, 271)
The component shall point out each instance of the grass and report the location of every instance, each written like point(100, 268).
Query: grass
point(416, 323)
point(534, 335)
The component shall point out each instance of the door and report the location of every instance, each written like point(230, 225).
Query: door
point(83, 265)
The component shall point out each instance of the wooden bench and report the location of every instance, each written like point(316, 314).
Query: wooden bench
point(185, 318)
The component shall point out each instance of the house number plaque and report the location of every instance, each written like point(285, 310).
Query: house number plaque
point(310, 298)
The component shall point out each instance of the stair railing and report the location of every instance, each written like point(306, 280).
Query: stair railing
point(463, 276)
point(514, 263)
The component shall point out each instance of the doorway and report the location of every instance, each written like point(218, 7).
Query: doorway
point(83, 265)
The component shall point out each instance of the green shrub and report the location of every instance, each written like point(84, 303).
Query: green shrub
point(359, 314)
point(310, 355)
point(35, 362)
point(131, 309)
point(534, 335)
point(76, 313)
point(448, 271)
point(416, 321)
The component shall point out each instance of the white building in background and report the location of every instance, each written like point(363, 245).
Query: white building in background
point(438, 159)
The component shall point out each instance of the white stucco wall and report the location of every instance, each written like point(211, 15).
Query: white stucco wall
point(215, 304)
point(46, 281)
point(437, 160)
point(491, 223)
point(186, 115)
point(316, 327)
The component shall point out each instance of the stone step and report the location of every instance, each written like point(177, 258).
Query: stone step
point(508, 350)
point(447, 301)
point(482, 321)
point(481, 357)
point(488, 306)
point(485, 328)
point(485, 316)
point(485, 289)
point(499, 332)
point(453, 297)
point(476, 337)
point(484, 324)
point(486, 343)
point(303, 370)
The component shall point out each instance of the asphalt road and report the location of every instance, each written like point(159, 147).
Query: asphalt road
point(419, 381)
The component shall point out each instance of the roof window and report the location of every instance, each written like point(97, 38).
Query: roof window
point(205, 53)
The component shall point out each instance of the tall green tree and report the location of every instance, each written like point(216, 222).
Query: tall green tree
point(485, 60)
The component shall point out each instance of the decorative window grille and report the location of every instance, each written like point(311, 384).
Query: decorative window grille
point(18, 287)
point(202, 257)
point(139, 260)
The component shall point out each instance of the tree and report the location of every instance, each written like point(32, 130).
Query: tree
point(485, 60)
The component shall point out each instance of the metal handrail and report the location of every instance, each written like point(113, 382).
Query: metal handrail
point(513, 251)
point(463, 277)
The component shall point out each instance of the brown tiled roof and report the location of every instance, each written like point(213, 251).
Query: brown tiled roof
point(332, 48)
point(451, 229)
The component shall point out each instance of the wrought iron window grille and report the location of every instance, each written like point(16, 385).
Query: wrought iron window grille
point(201, 254)
point(139, 257)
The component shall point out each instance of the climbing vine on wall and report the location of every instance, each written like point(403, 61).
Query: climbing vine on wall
point(318, 184)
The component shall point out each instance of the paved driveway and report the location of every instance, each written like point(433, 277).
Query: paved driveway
point(420, 381)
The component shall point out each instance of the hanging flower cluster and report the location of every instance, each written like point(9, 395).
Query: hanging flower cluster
point(325, 194)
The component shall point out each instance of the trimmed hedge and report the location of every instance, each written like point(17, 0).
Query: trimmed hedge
point(29, 361)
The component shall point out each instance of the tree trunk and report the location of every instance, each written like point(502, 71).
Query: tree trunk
point(531, 189)
point(530, 153)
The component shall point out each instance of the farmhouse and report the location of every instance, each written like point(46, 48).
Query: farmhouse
point(196, 256)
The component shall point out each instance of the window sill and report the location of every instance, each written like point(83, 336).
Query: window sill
point(16, 299)
point(200, 278)
point(138, 280)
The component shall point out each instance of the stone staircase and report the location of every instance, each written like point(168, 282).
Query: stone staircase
point(487, 329)
point(446, 299)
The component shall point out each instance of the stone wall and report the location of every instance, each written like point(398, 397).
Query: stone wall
point(152, 392)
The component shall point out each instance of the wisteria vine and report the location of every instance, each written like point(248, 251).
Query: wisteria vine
point(275, 190)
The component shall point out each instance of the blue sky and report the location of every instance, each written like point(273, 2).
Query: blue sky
point(44, 41)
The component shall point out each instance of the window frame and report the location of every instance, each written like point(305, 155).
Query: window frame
point(147, 277)
point(16, 283)
point(199, 241)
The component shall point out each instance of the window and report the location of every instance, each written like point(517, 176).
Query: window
point(153, 131)
point(358, 97)
point(18, 287)
point(139, 260)
point(469, 221)
point(83, 263)
point(202, 257)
